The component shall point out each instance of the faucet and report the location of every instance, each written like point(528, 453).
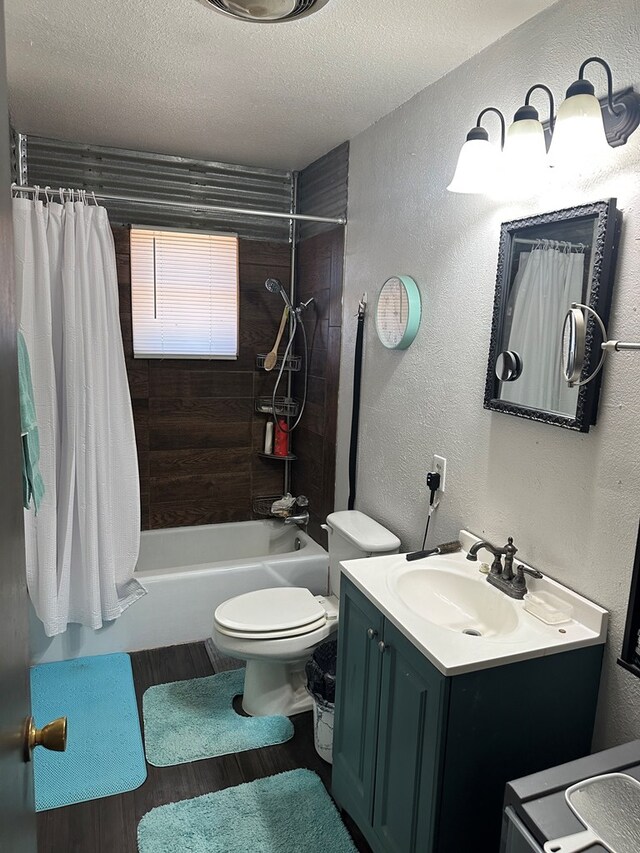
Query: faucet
point(502, 577)
point(496, 566)
point(301, 519)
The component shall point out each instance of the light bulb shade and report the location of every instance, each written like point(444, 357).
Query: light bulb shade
point(477, 169)
point(579, 134)
point(525, 149)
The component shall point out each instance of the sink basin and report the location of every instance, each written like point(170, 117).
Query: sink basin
point(456, 602)
point(437, 601)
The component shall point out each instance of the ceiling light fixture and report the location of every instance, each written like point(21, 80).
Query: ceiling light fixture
point(479, 160)
point(266, 11)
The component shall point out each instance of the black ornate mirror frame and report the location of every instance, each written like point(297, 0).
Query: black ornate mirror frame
point(607, 232)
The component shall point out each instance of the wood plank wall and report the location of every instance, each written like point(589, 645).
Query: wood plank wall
point(320, 261)
point(196, 428)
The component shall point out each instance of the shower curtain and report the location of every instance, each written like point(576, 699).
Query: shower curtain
point(82, 545)
point(548, 280)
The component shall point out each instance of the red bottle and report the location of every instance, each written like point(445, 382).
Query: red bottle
point(281, 438)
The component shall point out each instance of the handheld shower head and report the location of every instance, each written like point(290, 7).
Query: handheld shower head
point(274, 285)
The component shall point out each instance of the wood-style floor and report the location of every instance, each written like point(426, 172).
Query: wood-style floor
point(109, 825)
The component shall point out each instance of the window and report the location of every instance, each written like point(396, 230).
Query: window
point(184, 292)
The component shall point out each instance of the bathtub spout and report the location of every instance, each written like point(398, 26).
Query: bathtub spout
point(301, 519)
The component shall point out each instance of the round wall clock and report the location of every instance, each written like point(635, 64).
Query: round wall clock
point(398, 312)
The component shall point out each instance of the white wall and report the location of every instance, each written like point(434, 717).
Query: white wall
point(571, 501)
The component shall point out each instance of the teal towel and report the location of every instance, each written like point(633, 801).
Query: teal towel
point(32, 485)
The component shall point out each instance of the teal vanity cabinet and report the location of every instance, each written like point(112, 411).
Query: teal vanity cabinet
point(420, 760)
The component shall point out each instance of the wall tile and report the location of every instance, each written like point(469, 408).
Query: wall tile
point(196, 429)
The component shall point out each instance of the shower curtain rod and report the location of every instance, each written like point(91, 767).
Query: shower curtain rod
point(185, 205)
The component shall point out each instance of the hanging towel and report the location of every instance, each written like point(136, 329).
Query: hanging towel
point(32, 485)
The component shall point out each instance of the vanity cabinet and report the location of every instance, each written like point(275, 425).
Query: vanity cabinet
point(420, 760)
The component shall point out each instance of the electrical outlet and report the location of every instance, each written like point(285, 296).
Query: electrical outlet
point(440, 465)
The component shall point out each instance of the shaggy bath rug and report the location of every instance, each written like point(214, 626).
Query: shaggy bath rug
point(189, 720)
point(287, 813)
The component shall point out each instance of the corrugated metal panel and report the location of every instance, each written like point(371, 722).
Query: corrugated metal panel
point(165, 178)
point(323, 189)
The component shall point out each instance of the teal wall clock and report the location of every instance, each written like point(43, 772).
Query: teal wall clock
point(398, 312)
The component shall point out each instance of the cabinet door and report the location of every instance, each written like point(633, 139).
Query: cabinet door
point(410, 747)
point(357, 702)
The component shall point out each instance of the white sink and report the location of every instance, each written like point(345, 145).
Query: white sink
point(456, 602)
point(446, 608)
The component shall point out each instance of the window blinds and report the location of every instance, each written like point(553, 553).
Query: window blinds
point(184, 291)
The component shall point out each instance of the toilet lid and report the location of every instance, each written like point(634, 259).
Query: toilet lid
point(269, 610)
point(286, 633)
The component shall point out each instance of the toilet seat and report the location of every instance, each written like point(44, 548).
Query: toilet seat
point(269, 614)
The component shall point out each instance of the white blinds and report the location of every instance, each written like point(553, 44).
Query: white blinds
point(184, 291)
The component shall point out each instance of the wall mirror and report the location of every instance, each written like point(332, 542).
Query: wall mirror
point(545, 263)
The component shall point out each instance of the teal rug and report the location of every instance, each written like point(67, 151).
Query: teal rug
point(104, 754)
point(194, 719)
point(288, 813)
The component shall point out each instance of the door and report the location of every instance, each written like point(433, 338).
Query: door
point(357, 701)
point(17, 814)
point(410, 747)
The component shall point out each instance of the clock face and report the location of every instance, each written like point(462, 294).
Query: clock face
point(398, 312)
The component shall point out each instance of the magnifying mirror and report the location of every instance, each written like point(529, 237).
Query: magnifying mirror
point(574, 344)
point(508, 366)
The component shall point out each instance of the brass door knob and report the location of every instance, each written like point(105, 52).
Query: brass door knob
point(52, 736)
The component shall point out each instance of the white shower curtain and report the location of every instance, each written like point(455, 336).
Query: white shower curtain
point(548, 280)
point(82, 546)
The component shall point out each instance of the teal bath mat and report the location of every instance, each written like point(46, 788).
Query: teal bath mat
point(287, 813)
point(189, 720)
point(104, 752)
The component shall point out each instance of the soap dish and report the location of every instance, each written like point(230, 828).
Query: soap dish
point(548, 608)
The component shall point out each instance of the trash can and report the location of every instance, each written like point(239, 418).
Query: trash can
point(321, 684)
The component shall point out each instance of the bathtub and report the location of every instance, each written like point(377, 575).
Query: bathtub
point(188, 572)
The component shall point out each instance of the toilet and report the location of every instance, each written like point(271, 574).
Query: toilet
point(276, 630)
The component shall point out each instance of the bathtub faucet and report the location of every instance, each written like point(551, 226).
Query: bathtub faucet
point(301, 519)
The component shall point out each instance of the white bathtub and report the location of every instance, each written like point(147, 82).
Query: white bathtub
point(188, 572)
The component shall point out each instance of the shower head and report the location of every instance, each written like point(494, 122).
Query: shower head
point(274, 285)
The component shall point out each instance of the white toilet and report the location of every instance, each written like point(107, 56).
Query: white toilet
point(276, 630)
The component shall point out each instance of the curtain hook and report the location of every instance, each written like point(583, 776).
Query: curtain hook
point(46, 194)
point(95, 200)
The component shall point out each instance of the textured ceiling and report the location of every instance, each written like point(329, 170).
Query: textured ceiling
point(176, 77)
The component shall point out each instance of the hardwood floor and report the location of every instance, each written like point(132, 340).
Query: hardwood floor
point(109, 825)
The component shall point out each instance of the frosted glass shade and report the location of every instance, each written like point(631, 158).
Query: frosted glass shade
point(579, 134)
point(477, 169)
point(525, 149)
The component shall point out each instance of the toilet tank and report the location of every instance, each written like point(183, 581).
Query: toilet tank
point(353, 535)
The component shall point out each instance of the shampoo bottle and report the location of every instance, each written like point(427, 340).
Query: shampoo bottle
point(281, 439)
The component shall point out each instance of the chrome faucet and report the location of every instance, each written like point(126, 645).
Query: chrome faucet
point(502, 577)
point(301, 519)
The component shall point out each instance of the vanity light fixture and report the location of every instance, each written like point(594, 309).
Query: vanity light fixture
point(580, 133)
point(574, 341)
point(525, 149)
point(583, 130)
point(479, 160)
